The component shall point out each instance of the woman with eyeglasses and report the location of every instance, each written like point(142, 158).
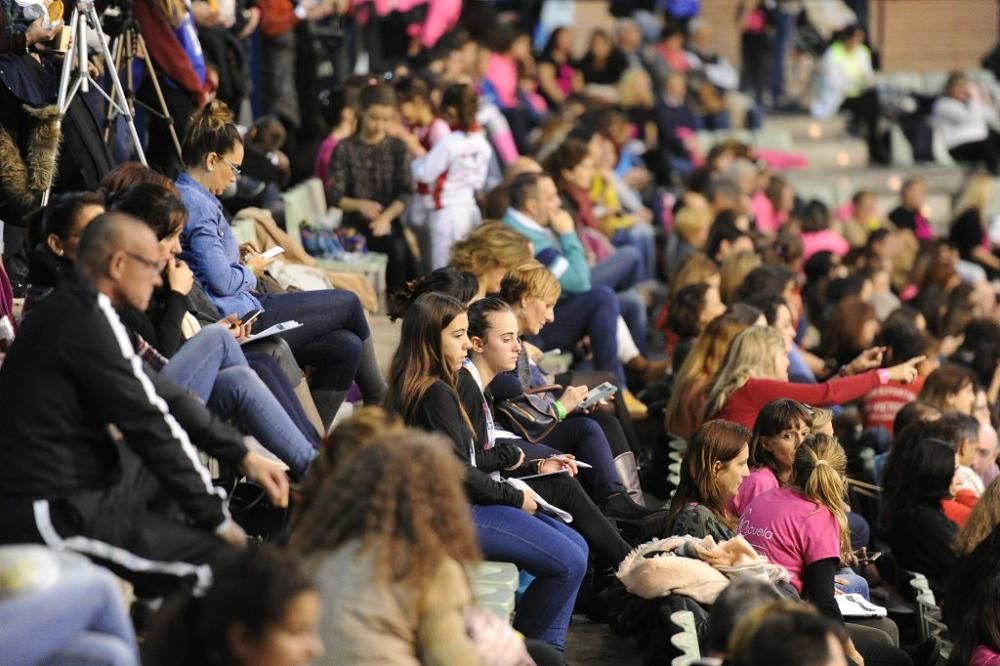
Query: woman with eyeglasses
point(334, 337)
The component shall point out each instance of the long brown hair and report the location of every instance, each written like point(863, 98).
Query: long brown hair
point(818, 472)
point(418, 362)
point(701, 364)
point(716, 441)
point(984, 518)
point(401, 496)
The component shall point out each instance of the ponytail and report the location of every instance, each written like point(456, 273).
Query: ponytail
point(210, 130)
point(818, 472)
point(479, 315)
point(464, 102)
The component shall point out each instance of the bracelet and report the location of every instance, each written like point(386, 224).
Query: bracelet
point(883, 376)
point(560, 410)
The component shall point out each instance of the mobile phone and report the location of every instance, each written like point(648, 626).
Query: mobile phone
point(597, 394)
point(250, 316)
point(273, 252)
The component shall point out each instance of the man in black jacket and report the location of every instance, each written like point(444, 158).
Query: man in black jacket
point(70, 380)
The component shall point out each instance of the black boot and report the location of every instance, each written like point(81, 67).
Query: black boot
point(621, 505)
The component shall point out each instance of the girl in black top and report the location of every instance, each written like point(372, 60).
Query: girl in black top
point(370, 181)
point(495, 348)
point(433, 344)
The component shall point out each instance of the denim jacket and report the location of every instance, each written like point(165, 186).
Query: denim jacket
point(211, 250)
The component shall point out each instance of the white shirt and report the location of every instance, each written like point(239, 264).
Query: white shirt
point(959, 122)
point(454, 169)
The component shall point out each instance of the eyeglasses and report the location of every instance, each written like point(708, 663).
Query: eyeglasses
point(154, 265)
point(232, 167)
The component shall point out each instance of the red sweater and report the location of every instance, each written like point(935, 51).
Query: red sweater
point(743, 405)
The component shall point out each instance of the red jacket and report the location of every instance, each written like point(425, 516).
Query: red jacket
point(743, 405)
point(165, 49)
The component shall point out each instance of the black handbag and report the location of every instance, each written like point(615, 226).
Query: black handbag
point(528, 415)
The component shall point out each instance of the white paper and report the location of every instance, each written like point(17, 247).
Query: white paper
point(855, 605)
point(284, 326)
point(542, 504)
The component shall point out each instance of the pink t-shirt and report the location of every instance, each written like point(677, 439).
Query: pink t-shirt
point(983, 656)
point(761, 480)
point(790, 531)
point(818, 241)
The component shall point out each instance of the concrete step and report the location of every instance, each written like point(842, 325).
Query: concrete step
point(803, 127)
point(841, 153)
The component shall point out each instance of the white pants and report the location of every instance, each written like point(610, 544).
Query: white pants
point(448, 225)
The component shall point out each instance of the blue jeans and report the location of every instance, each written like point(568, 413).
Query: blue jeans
point(271, 374)
point(784, 24)
point(330, 339)
point(80, 619)
point(547, 549)
point(212, 365)
point(622, 270)
point(643, 238)
point(853, 583)
point(592, 313)
point(583, 438)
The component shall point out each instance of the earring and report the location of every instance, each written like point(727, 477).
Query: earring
point(59, 253)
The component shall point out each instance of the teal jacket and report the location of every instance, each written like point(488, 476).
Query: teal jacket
point(562, 254)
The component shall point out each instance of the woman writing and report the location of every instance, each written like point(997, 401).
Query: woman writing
point(334, 337)
point(434, 343)
point(495, 346)
point(714, 466)
point(755, 372)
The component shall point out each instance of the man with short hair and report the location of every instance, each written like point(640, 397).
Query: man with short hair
point(70, 382)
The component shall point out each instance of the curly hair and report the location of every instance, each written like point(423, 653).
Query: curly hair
point(347, 438)
point(401, 496)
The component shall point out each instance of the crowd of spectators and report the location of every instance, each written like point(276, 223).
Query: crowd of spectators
point(800, 384)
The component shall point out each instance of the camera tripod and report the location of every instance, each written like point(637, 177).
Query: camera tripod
point(128, 45)
point(75, 76)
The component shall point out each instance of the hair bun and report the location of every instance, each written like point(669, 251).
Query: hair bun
point(214, 115)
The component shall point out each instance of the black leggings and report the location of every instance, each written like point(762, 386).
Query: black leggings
point(986, 151)
point(606, 544)
point(865, 110)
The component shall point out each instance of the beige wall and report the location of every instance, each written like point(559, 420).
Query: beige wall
point(912, 34)
point(926, 35)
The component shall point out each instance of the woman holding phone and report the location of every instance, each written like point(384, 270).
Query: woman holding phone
point(334, 337)
point(422, 388)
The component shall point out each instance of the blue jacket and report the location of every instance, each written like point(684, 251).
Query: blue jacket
point(211, 250)
point(563, 255)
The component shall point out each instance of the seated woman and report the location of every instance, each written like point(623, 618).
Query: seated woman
point(334, 337)
point(977, 642)
point(967, 576)
point(966, 125)
point(433, 344)
point(917, 478)
point(495, 346)
point(211, 363)
point(392, 580)
point(755, 372)
point(694, 379)
point(64, 219)
point(712, 470)
point(532, 292)
point(276, 620)
point(179, 308)
point(803, 528)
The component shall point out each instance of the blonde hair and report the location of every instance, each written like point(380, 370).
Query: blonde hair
point(530, 280)
point(977, 193)
point(694, 269)
point(818, 472)
point(689, 222)
point(820, 417)
point(630, 93)
point(735, 269)
point(700, 366)
point(984, 518)
point(490, 245)
point(751, 354)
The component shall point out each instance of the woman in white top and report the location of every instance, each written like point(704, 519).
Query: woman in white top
point(449, 176)
point(965, 124)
